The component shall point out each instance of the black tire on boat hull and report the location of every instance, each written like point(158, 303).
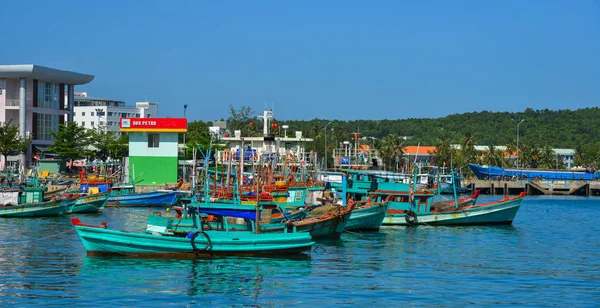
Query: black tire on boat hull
point(208, 242)
point(411, 218)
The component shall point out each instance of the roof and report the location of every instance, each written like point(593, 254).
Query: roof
point(564, 152)
point(44, 73)
point(418, 150)
point(88, 98)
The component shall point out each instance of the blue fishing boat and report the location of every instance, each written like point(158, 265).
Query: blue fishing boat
point(497, 173)
point(156, 198)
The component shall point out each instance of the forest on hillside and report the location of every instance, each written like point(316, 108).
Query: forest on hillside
point(539, 131)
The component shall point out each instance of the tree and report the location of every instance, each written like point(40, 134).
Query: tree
point(511, 147)
point(391, 151)
point(118, 146)
point(547, 158)
point(71, 141)
point(494, 157)
point(102, 141)
point(198, 133)
point(443, 150)
point(10, 141)
point(244, 120)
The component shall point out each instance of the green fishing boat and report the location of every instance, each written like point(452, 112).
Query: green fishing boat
point(89, 204)
point(165, 242)
point(31, 204)
point(367, 217)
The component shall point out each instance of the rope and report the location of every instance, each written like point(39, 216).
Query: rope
point(355, 233)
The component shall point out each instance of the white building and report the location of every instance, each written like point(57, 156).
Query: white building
point(38, 99)
point(89, 111)
point(289, 149)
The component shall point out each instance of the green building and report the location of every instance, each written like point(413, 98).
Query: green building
point(153, 148)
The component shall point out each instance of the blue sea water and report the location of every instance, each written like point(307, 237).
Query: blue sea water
point(549, 256)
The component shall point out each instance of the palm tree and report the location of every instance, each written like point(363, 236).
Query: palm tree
point(529, 155)
point(392, 151)
point(468, 151)
point(494, 157)
point(443, 150)
point(547, 158)
point(511, 149)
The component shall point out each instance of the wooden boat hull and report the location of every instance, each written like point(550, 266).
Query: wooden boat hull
point(89, 204)
point(162, 198)
point(329, 228)
point(49, 208)
point(368, 218)
point(324, 228)
point(500, 212)
point(99, 241)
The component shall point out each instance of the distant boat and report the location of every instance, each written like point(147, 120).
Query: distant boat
point(497, 173)
point(89, 204)
point(156, 198)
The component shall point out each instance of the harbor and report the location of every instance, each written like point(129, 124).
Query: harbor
point(43, 262)
point(299, 154)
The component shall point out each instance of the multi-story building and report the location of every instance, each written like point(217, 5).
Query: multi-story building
point(90, 111)
point(33, 97)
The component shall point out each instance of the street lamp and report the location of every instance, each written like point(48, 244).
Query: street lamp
point(325, 143)
point(518, 124)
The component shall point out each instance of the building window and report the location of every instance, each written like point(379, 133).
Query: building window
point(92, 123)
point(83, 114)
point(110, 113)
point(48, 95)
point(92, 115)
point(83, 123)
point(137, 115)
point(46, 123)
point(153, 140)
point(123, 115)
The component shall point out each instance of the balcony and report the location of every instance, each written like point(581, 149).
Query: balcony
point(12, 102)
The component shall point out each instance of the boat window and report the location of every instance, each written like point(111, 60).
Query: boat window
point(153, 140)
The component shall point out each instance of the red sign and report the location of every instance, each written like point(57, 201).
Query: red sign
point(175, 125)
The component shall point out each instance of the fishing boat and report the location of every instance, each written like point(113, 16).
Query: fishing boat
point(450, 184)
point(321, 226)
point(366, 216)
point(420, 212)
point(484, 172)
point(31, 204)
point(155, 198)
point(166, 241)
point(326, 226)
point(89, 204)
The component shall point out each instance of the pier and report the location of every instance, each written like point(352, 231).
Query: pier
point(535, 188)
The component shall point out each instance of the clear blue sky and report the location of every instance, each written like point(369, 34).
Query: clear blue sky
point(326, 59)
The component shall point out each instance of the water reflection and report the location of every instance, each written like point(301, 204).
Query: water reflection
point(34, 252)
point(241, 278)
